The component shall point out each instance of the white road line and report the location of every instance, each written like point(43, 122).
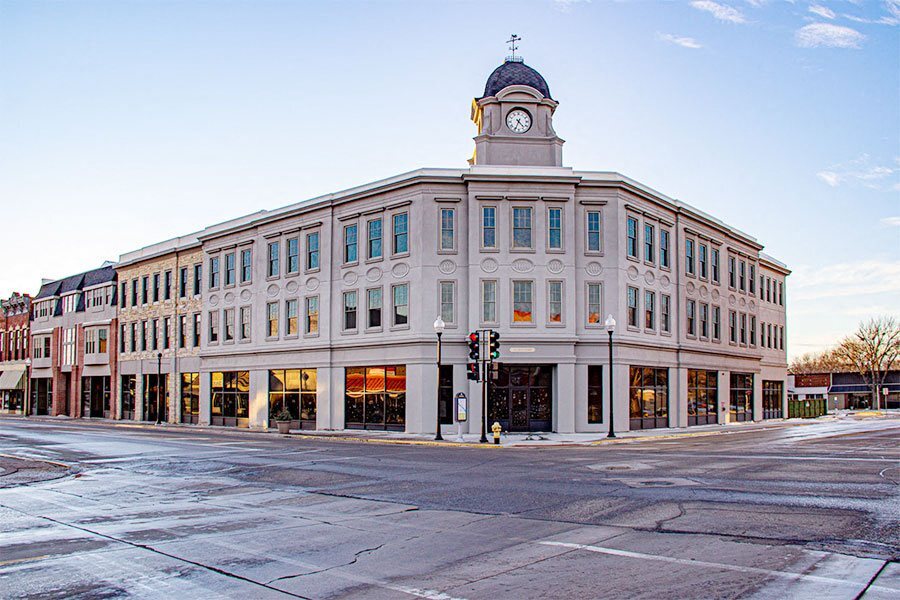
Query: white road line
point(776, 457)
point(699, 563)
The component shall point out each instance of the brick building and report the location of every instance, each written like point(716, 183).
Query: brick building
point(14, 327)
point(73, 333)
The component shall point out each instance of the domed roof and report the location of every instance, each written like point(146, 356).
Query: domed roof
point(515, 73)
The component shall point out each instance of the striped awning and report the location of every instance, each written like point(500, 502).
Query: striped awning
point(13, 378)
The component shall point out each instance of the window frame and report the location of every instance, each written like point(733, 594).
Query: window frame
point(441, 248)
point(495, 247)
point(562, 230)
point(370, 239)
point(665, 314)
point(307, 321)
point(632, 313)
point(513, 322)
point(452, 320)
point(346, 245)
point(312, 254)
point(587, 304)
point(631, 241)
point(346, 311)
point(495, 301)
point(649, 243)
point(369, 325)
point(562, 303)
point(394, 306)
point(587, 232)
point(395, 252)
point(512, 220)
point(273, 259)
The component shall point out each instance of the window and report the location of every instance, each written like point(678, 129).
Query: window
point(554, 228)
point(593, 231)
point(154, 332)
point(752, 280)
point(689, 267)
point(522, 228)
point(230, 396)
point(741, 397)
point(134, 338)
point(702, 260)
point(448, 233)
point(489, 301)
point(145, 289)
point(272, 319)
point(312, 315)
point(595, 394)
point(522, 302)
point(717, 323)
point(704, 320)
point(732, 327)
point(293, 255)
point(182, 331)
point(245, 323)
point(742, 280)
point(167, 285)
point(649, 252)
point(771, 337)
point(401, 304)
point(229, 268)
point(293, 390)
point(448, 308)
point(714, 264)
point(197, 319)
point(648, 397)
point(731, 273)
point(781, 337)
point(631, 237)
point(691, 307)
point(554, 301)
point(772, 393)
point(292, 317)
point(182, 282)
point(665, 312)
point(198, 277)
point(123, 332)
point(632, 306)
point(134, 292)
point(190, 397)
point(664, 248)
point(274, 269)
point(781, 293)
point(401, 233)
point(702, 397)
point(156, 287)
point(752, 330)
point(351, 242)
point(350, 302)
point(214, 272)
point(762, 287)
point(375, 397)
point(213, 326)
point(374, 239)
point(649, 309)
point(123, 296)
point(374, 304)
point(743, 328)
point(312, 251)
point(488, 226)
point(246, 266)
point(166, 333)
point(90, 341)
point(594, 304)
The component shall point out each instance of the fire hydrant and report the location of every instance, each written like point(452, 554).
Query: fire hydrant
point(496, 428)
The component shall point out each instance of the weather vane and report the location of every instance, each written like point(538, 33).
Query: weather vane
point(513, 46)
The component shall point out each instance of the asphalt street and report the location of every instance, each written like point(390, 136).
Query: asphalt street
point(807, 510)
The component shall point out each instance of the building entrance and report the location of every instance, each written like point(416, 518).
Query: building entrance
point(521, 397)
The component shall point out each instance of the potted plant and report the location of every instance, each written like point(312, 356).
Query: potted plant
point(283, 420)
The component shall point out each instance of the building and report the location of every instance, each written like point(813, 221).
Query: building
point(325, 307)
point(159, 331)
point(74, 345)
point(14, 336)
point(845, 391)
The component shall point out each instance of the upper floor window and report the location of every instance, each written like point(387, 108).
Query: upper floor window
point(401, 304)
point(312, 251)
point(272, 319)
point(689, 267)
point(691, 322)
point(554, 228)
point(448, 301)
point(704, 320)
point(649, 309)
point(702, 261)
point(198, 277)
point(134, 292)
point(665, 312)
point(751, 280)
point(522, 228)
point(291, 317)
point(648, 243)
point(274, 269)
point(752, 330)
point(213, 328)
point(374, 238)
point(631, 237)
point(312, 314)
point(229, 268)
point(742, 279)
point(245, 324)
point(554, 301)
point(762, 287)
point(293, 255)
point(182, 282)
point(246, 266)
point(401, 233)
point(714, 264)
point(351, 243)
point(732, 326)
point(717, 323)
point(123, 295)
point(489, 301)
point(632, 306)
point(214, 272)
point(594, 300)
point(523, 302)
point(664, 248)
point(488, 226)
point(374, 305)
point(229, 324)
point(593, 231)
point(781, 293)
point(167, 285)
point(145, 286)
point(448, 228)
point(156, 287)
point(731, 272)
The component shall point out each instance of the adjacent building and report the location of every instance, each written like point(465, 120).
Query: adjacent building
point(74, 346)
point(15, 315)
point(845, 390)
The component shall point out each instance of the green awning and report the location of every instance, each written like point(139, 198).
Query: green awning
point(13, 378)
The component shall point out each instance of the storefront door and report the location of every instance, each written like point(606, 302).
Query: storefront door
point(521, 398)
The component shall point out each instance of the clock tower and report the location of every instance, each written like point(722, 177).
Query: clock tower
point(514, 118)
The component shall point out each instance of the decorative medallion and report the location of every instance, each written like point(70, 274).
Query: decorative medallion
point(312, 284)
point(664, 281)
point(593, 269)
point(292, 286)
point(447, 267)
point(649, 277)
point(555, 266)
point(704, 292)
point(229, 298)
point(272, 290)
point(400, 270)
point(732, 300)
point(752, 305)
point(489, 265)
point(715, 294)
point(373, 274)
point(214, 300)
point(246, 295)
point(690, 288)
point(743, 302)
point(522, 265)
point(350, 277)
point(632, 273)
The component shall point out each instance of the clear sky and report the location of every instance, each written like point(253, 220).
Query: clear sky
point(127, 123)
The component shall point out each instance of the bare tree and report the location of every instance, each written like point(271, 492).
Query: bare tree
point(873, 350)
point(819, 362)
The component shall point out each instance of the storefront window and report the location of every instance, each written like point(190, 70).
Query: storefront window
point(190, 397)
point(293, 390)
point(772, 394)
point(648, 397)
point(230, 397)
point(703, 397)
point(741, 397)
point(375, 397)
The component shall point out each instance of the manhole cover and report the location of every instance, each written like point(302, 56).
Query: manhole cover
point(620, 466)
point(658, 482)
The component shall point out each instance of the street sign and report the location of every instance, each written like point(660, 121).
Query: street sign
point(462, 407)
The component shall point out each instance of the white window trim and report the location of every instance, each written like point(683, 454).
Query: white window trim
point(587, 303)
point(562, 230)
point(452, 324)
point(587, 250)
point(496, 246)
point(440, 229)
point(512, 304)
point(512, 231)
point(562, 303)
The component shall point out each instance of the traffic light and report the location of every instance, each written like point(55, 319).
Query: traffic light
point(473, 372)
point(474, 353)
point(493, 345)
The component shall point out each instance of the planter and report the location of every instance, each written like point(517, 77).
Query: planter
point(284, 427)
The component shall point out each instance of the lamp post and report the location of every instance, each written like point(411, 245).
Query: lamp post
point(438, 329)
point(610, 327)
point(158, 384)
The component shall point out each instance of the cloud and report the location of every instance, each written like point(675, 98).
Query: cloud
point(822, 11)
point(861, 171)
point(892, 7)
point(566, 5)
point(720, 11)
point(826, 35)
point(890, 221)
point(684, 42)
point(859, 278)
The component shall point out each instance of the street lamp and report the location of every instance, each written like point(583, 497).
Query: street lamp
point(610, 327)
point(158, 384)
point(438, 329)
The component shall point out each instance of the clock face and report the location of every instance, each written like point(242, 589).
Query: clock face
point(518, 120)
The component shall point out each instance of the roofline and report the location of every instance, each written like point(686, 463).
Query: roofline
point(773, 263)
point(176, 244)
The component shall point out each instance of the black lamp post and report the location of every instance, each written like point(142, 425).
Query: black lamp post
point(610, 327)
point(158, 384)
point(438, 329)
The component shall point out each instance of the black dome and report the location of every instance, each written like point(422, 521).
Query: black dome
point(515, 73)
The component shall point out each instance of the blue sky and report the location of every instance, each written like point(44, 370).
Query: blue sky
point(126, 123)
